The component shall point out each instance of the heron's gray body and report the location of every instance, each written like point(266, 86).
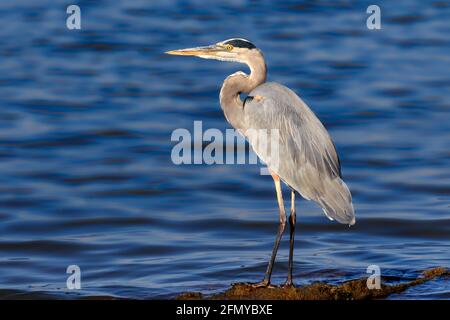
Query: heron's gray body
point(309, 162)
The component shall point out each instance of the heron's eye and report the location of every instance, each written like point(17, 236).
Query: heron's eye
point(229, 47)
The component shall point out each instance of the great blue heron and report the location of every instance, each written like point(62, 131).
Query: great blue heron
point(309, 163)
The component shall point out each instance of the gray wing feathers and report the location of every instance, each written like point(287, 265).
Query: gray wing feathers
point(308, 161)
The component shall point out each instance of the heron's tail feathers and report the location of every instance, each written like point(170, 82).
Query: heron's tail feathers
point(336, 201)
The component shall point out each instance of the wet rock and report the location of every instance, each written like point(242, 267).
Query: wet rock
point(349, 290)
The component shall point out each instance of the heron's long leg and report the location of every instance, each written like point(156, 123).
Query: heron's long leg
point(292, 221)
point(281, 226)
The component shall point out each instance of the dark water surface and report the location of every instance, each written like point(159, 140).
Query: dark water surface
point(86, 117)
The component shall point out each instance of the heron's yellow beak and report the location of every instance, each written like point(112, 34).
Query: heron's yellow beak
point(208, 51)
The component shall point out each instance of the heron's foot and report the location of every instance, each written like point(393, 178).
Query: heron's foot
point(262, 284)
point(288, 284)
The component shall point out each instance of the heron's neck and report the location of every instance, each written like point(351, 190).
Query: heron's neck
point(237, 83)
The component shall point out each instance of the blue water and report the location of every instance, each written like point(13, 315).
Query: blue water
point(86, 117)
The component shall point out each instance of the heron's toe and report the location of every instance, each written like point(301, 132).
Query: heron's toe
point(261, 284)
point(288, 284)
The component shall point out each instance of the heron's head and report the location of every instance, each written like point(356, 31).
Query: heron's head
point(235, 50)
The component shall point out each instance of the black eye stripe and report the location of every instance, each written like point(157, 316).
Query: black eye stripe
point(240, 44)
